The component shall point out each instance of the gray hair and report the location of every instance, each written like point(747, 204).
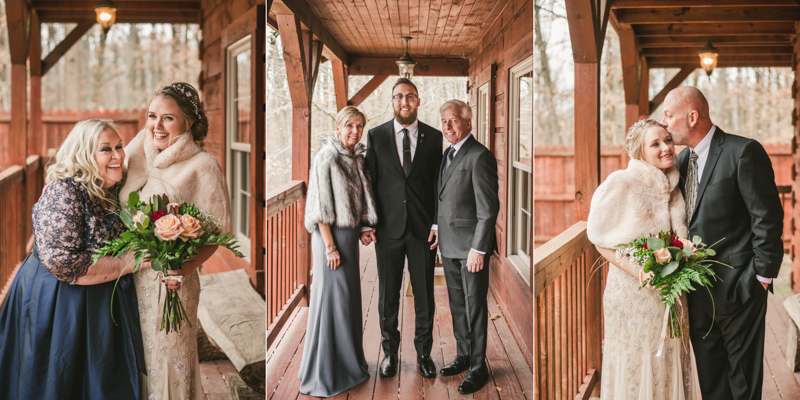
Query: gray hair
point(348, 113)
point(464, 110)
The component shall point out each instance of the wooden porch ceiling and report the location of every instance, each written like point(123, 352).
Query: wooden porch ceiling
point(359, 33)
point(129, 11)
point(747, 33)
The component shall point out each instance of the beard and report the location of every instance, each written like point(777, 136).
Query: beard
point(405, 120)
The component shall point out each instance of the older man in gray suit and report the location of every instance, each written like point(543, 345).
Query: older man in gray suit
point(467, 208)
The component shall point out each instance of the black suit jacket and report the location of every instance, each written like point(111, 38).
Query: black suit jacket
point(737, 200)
point(402, 199)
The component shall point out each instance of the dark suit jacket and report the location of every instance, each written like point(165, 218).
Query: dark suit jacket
point(737, 200)
point(468, 203)
point(402, 199)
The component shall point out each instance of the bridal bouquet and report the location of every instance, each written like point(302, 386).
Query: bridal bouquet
point(168, 234)
point(676, 265)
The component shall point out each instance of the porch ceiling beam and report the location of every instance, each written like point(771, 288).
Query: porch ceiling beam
point(786, 63)
point(630, 65)
point(367, 90)
point(702, 29)
point(131, 17)
point(73, 37)
point(122, 6)
point(17, 18)
point(305, 14)
point(778, 59)
point(723, 51)
point(672, 84)
point(340, 83)
point(649, 4)
point(424, 67)
point(719, 41)
point(709, 15)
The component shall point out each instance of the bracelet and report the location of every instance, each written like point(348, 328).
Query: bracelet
point(331, 250)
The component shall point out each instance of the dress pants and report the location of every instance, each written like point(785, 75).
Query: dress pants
point(391, 255)
point(730, 360)
point(467, 292)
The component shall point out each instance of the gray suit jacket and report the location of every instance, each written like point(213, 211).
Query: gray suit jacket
point(467, 202)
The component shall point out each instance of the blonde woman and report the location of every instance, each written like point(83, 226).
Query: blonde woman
point(57, 336)
point(166, 158)
point(640, 201)
point(339, 203)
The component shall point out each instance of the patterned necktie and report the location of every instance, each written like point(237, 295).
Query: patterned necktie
point(406, 152)
point(691, 184)
point(451, 152)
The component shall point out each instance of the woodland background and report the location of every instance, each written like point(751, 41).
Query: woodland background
point(752, 102)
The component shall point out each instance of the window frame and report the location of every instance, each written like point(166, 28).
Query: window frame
point(522, 262)
point(233, 166)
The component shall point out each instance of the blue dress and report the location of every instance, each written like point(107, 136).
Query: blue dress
point(58, 339)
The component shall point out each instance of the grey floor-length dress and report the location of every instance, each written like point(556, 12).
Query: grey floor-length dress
point(333, 354)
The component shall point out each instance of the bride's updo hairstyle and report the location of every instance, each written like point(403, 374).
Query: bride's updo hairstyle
point(634, 142)
point(188, 101)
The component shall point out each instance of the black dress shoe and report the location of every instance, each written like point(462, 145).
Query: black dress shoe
point(474, 381)
point(389, 366)
point(426, 366)
point(459, 365)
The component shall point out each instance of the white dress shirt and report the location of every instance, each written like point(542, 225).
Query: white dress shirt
point(702, 149)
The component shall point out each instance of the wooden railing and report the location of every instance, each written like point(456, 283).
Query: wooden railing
point(19, 190)
point(287, 254)
point(568, 324)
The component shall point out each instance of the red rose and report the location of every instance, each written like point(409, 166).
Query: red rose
point(645, 246)
point(157, 215)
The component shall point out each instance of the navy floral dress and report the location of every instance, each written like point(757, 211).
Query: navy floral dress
point(57, 339)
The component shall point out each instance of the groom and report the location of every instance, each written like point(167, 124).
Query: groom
point(731, 197)
point(402, 157)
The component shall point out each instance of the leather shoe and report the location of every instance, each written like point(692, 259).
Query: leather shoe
point(426, 366)
point(474, 381)
point(459, 365)
point(389, 366)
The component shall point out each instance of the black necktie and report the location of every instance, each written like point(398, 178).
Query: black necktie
point(406, 153)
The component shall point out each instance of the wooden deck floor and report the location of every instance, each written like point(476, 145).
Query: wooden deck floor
point(511, 377)
point(779, 381)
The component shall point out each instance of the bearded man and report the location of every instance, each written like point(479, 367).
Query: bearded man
point(403, 156)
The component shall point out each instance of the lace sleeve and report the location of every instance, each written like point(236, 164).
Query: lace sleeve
point(60, 231)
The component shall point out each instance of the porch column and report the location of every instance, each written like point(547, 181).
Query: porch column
point(35, 142)
point(631, 78)
point(588, 21)
point(795, 208)
point(302, 56)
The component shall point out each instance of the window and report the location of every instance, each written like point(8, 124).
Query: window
point(483, 115)
point(238, 128)
point(521, 150)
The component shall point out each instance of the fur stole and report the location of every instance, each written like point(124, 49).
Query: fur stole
point(339, 189)
point(638, 201)
point(183, 171)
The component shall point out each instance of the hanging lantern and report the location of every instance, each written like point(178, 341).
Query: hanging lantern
point(106, 12)
point(708, 57)
point(406, 64)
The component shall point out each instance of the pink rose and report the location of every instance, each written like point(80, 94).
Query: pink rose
point(168, 227)
point(139, 217)
point(662, 255)
point(686, 243)
point(191, 227)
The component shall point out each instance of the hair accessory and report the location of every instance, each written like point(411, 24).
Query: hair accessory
point(186, 92)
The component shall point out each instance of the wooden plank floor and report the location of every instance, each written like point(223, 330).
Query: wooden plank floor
point(779, 381)
point(511, 377)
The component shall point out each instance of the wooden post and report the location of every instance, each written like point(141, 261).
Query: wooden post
point(302, 56)
point(587, 24)
point(795, 248)
point(644, 91)
point(340, 83)
point(630, 75)
point(258, 139)
point(35, 142)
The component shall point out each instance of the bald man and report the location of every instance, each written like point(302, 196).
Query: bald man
point(730, 194)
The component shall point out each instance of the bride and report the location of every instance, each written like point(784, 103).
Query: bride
point(640, 201)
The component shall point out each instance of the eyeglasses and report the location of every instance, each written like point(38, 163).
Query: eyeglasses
point(409, 97)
